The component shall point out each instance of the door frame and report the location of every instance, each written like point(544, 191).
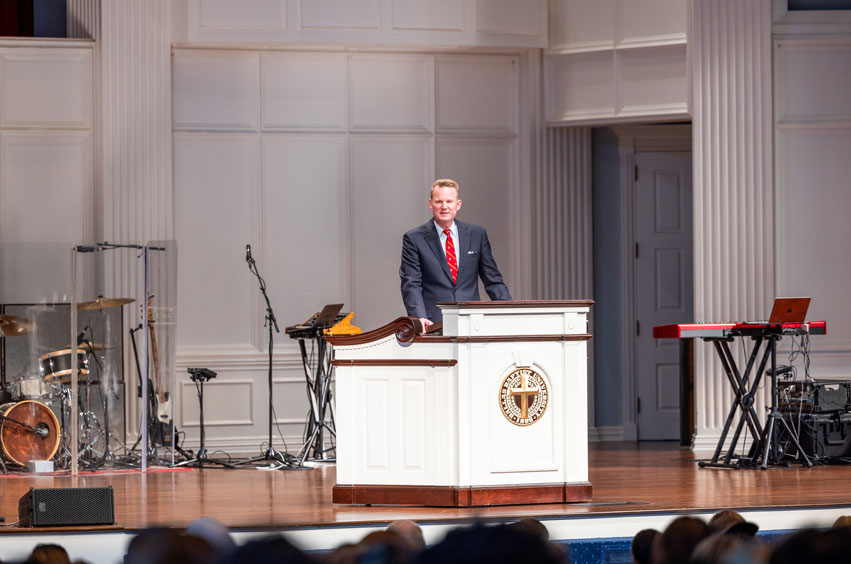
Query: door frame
point(633, 139)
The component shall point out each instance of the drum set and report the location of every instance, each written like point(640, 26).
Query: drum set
point(35, 412)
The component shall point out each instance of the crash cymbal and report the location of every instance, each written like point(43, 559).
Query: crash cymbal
point(12, 325)
point(104, 303)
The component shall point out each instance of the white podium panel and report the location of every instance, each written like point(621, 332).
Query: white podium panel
point(490, 412)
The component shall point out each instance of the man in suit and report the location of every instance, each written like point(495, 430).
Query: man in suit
point(443, 259)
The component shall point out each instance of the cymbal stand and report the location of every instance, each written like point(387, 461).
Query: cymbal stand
point(277, 460)
point(199, 376)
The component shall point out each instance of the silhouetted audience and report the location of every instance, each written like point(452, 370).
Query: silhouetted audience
point(727, 539)
point(726, 548)
point(676, 543)
point(161, 545)
point(731, 522)
point(269, 550)
point(498, 544)
point(642, 546)
point(49, 554)
point(832, 546)
point(410, 532)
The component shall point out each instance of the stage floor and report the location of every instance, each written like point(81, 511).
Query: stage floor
point(635, 485)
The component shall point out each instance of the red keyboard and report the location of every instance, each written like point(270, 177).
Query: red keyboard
point(738, 329)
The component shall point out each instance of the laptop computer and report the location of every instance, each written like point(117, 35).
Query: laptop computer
point(789, 310)
point(328, 315)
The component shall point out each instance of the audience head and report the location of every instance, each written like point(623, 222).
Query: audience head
point(675, 544)
point(731, 522)
point(642, 545)
point(216, 534)
point(832, 546)
point(722, 548)
point(409, 532)
point(273, 549)
point(49, 554)
point(498, 544)
point(167, 546)
point(842, 521)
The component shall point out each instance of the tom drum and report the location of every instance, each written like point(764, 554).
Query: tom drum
point(56, 366)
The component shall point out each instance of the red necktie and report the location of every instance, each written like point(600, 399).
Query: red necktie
point(450, 256)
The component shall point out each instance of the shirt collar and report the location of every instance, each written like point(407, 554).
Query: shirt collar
point(452, 228)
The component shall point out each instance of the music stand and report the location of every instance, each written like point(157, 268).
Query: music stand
point(199, 376)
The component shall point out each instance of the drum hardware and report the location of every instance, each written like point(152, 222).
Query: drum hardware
point(104, 303)
point(13, 325)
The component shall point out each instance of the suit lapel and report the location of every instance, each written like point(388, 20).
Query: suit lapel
point(434, 242)
point(463, 246)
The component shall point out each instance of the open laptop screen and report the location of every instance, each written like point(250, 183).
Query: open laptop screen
point(789, 310)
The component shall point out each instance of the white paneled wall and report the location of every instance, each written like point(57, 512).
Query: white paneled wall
point(321, 160)
point(503, 23)
point(812, 120)
point(616, 61)
point(46, 165)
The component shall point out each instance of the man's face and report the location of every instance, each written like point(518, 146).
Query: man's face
point(444, 204)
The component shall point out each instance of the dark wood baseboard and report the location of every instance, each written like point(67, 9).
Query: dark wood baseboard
point(452, 496)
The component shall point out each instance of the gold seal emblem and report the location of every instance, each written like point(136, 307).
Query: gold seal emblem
point(523, 397)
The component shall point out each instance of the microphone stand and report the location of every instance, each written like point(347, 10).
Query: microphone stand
point(278, 459)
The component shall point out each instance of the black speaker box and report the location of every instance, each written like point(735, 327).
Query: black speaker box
point(57, 507)
point(822, 436)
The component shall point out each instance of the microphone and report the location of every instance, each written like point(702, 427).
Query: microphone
point(248, 257)
point(82, 336)
point(85, 249)
point(41, 431)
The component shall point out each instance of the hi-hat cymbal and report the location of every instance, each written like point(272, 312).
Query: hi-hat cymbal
point(12, 325)
point(104, 303)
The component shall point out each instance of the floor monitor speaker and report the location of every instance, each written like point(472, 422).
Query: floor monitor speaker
point(58, 507)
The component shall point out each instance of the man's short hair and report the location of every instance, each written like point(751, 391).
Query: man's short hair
point(444, 183)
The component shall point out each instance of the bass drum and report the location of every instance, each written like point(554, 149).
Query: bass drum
point(38, 440)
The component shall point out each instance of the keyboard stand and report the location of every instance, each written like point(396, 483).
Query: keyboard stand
point(744, 400)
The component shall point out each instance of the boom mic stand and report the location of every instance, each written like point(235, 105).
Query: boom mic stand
point(277, 459)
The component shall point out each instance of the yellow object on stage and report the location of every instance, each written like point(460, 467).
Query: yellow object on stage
point(343, 327)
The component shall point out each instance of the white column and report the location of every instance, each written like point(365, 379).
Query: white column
point(563, 215)
point(133, 157)
point(733, 183)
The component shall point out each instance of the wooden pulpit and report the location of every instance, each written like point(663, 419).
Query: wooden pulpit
point(493, 411)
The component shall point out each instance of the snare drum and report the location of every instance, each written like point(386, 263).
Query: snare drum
point(33, 387)
point(38, 440)
point(56, 366)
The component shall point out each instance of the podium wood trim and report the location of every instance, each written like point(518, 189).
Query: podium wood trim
point(452, 496)
point(520, 304)
point(394, 362)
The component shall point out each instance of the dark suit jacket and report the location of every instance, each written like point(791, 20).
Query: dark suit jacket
point(425, 274)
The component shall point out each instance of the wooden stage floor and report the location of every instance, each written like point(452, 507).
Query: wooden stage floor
point(635, 485)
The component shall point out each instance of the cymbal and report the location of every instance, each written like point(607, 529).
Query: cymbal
point(104, 303)
point(13, 325)
point(88, 347)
